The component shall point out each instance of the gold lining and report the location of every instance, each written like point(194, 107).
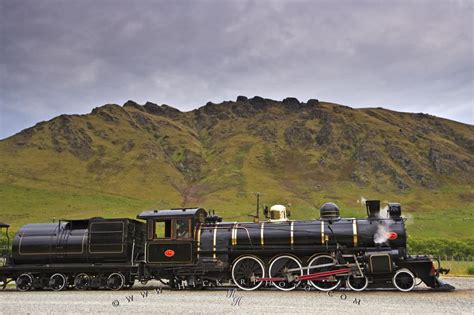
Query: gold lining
point(291, 232)
point(234, 234)
point(354, 231)
point(53, 253)
point(90, 232)
point(262, 242)
point(199, 241)
point(214, 243)
point(322, 232)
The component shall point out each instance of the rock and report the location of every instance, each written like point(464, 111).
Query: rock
point(257, 100)
point(242, 99)
point(298, 136)
point(152, 108)
point(145, 122)
point(170, 110)
point(410, 166)
point(324, 135)
point(187, 162)
point(312, 102)
point(108, 112)
point(67, 136)
point(265, 131)
point(291, 102)
point(133, 104)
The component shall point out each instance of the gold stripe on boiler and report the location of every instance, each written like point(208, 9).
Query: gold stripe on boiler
point(234, 234)
point(199, 241)
point(354, 232)
point(214, 243)
point(322, 232)
point(291, 232)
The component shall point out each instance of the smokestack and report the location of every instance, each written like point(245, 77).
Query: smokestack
point(373, 208)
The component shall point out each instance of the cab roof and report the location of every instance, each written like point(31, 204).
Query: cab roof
point(171, 213)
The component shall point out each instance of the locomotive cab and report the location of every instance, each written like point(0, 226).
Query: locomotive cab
point(171, 235)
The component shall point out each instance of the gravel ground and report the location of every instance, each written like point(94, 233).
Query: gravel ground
point(148, 299)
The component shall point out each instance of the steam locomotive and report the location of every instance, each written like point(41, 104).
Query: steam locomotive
point(193, 248)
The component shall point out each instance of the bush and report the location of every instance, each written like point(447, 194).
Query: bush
point(470, 270)
point(441, 247)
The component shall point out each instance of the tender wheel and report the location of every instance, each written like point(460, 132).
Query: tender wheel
point(279, 267)
point(404, 280)
point(57, 282)
point(245, 270)
point(82, 281)
point(357, 284)
point(328, 284)
point(115, 281)
point(24, 282)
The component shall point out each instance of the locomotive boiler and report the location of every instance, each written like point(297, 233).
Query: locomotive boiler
point(189, 247)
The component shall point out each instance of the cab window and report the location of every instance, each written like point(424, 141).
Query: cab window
point(162, 229)
point(182, 228)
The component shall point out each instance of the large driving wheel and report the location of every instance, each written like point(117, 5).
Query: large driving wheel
point(245, 270)
point(82, 281)
point(57, 282)
point(404, 280)
point(279, 269)
point(24, 282)
point(331, 282)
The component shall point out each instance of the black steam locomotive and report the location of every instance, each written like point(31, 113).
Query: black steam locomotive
point(190, 247)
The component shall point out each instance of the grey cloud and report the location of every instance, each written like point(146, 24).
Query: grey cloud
point(68, 57)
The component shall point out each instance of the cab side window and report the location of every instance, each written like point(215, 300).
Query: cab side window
point(162, 229)
point(182, 228)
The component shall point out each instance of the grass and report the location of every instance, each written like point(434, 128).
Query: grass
point(21, 205)
point(458, 268)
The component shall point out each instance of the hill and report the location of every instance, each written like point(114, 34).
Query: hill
point(120, 160)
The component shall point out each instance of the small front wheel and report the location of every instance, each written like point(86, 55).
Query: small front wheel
point(404, 280)
point(357, 283)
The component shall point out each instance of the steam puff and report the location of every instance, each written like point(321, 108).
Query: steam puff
point(381, 236)
point(383, 214)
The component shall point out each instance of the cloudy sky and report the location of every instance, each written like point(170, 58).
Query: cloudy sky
point(71, 56)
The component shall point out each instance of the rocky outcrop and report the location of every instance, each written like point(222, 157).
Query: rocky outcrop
point(298, 136)
point(66, 136)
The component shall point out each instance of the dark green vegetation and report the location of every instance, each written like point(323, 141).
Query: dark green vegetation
point(120, 160)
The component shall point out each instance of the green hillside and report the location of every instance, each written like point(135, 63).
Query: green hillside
point(120, 160)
